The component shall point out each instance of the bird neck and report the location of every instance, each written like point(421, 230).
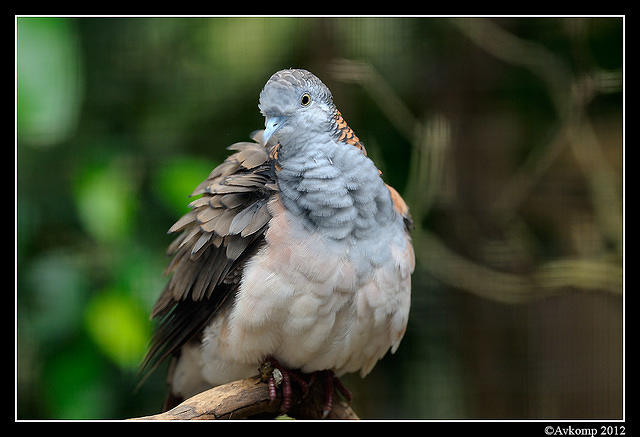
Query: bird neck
point(342, 133)
point(335, 190)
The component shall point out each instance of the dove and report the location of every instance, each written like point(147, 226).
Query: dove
point(294, 252)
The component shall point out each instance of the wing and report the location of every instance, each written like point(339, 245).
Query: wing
point(225, 226)
point(401, 207)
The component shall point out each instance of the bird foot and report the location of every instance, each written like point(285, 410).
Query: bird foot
point(331, 383)
point(277, 375)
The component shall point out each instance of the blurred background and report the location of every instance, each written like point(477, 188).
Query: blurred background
point(504, 135)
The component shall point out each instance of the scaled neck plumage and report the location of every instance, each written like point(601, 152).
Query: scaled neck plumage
point(333, 187)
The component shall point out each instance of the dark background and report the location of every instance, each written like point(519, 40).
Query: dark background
point(504, 135)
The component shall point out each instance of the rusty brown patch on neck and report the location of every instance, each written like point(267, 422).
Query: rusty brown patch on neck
point(345, 134)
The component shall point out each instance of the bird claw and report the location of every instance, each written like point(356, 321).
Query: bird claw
point(328, 393)
point(332, 383)
point(343, 390)
point(277, 375)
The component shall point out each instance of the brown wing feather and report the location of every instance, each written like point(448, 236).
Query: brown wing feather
point(223, 229)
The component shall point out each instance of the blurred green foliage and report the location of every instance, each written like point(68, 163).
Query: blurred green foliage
point(180, 176)
point(116, 322)
point(118, 119)
point(106, 202)
point(48, 104)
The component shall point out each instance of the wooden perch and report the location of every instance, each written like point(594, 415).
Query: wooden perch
point(249, 399)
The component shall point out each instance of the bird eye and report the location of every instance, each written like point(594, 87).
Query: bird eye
point(305, 99)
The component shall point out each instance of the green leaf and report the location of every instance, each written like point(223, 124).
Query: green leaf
point(119, 326)
point(106, 202)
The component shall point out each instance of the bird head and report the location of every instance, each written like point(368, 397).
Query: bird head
point(296, 105)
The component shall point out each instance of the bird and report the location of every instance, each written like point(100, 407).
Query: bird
point(295, 252)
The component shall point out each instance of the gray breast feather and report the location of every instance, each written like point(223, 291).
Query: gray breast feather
point(337, 190)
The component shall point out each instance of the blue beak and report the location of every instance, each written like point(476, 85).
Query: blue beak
point(271, 125)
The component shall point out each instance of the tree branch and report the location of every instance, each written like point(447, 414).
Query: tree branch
point(249, 399)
